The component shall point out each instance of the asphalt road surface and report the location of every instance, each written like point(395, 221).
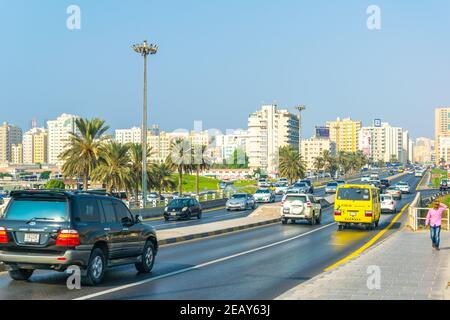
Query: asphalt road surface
point(258, 263)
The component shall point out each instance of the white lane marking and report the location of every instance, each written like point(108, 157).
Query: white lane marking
point(205, 264)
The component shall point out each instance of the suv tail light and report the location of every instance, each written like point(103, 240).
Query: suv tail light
point(337, 213)
point(3, 235)
point(68, 238)
point(308, 204)
point(368, 213)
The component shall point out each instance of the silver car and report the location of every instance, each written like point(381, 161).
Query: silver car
point(241, 201)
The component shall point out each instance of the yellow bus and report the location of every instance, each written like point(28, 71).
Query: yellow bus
point(357, 205)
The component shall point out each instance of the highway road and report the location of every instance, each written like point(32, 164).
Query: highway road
point(254, 264)
point(220, 214)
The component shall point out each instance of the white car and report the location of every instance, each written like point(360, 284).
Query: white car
point(388, 204)
point(281, 188)
point(263, 183)
point(403, 187)
point(374, 176)
point(264, 195)
point(301, 207)
point(365, 178)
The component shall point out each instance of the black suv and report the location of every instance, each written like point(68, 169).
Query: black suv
point(54, 230)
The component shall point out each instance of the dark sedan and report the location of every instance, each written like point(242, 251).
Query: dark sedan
point(183, 208)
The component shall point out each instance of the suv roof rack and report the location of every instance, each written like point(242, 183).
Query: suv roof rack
point(94, 192)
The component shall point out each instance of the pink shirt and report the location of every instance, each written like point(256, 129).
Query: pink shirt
point(434, 216)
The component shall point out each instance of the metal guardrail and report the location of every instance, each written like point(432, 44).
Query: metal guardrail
point(418, 211)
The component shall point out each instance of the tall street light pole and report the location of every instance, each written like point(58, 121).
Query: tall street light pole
point(144, 49)
point(300, 108)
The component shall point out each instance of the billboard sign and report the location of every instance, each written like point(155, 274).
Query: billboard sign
point(322, 132)
point(377, 123)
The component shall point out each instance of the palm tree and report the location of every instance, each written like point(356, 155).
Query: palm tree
point(161, 177)
point(291, 165)
point(330, 162)
point(318, 163)
point(82, 154)
point(200, 163)
point(135, 165)
point(113, 167)
point(180, 160)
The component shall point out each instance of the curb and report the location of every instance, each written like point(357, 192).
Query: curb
point(216, 232)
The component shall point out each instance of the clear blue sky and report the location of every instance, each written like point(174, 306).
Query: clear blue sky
point(219, 60)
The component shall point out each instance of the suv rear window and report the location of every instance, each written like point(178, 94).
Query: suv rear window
point(38, 209)
point(295, 198)
point(355, 194)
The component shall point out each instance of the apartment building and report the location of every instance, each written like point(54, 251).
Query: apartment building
point(313, 148)
point(16, 154)
point(345, 133)
point(132, 135)
point(268, 130)
point(441, 134)
point(35, 146)
point(226, 144)
point(424, 150)
point(59, 133)
point(9, 135)
point(385, 143)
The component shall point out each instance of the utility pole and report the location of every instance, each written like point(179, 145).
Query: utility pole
point(144, 49)
point(300, 108)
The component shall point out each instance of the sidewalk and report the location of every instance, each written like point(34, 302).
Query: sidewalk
point(409, 269)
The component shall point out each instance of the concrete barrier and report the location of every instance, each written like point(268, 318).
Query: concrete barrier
point(158, 211)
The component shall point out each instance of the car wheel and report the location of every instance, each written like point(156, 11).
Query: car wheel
point(21, 274)
point(148, 258)
point(313, 220)
point(340, 227)
point(95, 269)
point(166, 218)
point(284, 221)
point(319, 218)
point(228, 209)
point(199, 216)
point(254, 206)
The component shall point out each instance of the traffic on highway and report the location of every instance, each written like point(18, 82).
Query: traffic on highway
point(321, 235)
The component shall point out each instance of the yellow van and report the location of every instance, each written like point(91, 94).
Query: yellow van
point(357, 204)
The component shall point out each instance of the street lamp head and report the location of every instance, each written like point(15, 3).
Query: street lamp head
point(300, 108)
point(145, 48)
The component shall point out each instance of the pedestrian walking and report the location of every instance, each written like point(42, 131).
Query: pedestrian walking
point(434, 220)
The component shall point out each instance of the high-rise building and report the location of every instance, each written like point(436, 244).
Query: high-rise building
point(9, 135)
point(228, 143)
point(132, 135)
point(424, 150)
point(441, 134)
point(268, 130)
point(35, 146)
point(313, 148)
point(59, 133)
point(345, 133)
point(385, 143)
point(16, 154)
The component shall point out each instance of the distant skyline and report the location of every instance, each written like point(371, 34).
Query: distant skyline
point(220, 61)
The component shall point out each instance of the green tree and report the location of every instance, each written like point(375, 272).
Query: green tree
point(135, 166)
point(318, 163)
point(161, 177)
point(113, 167)
point(180, 160)
point(54, 184)
point(81, 158)
point(45, 175)
point(200, 163)
point(291, 165)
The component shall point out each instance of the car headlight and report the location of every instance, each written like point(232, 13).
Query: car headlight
point(165, 209)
